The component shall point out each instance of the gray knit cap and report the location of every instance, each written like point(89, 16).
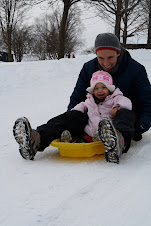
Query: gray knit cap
point(107, 41)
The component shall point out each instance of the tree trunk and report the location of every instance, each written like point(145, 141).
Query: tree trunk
point(125, 25)
point(118, 19)
point(9, 33)
point(149, 28)
point(62, 32)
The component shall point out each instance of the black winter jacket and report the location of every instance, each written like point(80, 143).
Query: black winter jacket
point(131, 78)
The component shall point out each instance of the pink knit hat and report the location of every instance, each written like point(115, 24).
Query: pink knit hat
point(103, 77)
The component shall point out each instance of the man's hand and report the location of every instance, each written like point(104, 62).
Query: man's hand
point(114, 110)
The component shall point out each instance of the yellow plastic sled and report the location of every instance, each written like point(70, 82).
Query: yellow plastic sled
point(79, 149)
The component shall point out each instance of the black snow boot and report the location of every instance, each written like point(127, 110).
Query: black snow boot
point(112, 140)
point(27, 138)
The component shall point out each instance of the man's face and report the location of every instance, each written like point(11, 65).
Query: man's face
point(107, 58)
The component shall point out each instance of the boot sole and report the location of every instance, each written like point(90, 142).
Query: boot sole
point(21, 132)
point(107, 134)
point(109, 138)
point(111, 157)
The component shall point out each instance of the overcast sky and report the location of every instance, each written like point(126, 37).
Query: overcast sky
point(93, 25)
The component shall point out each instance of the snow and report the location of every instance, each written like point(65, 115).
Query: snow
point(57, 191)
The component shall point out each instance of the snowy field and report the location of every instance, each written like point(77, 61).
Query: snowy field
point(58, 191)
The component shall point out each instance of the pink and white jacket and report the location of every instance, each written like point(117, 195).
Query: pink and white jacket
point(98, 111)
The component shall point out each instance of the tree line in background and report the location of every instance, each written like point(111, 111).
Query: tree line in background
point(128, 17)
point(59, 33)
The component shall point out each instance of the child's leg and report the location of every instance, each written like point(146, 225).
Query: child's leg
point(110, 134)
point(73, 121)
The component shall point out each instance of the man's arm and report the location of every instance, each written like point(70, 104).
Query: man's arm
point(143, 90)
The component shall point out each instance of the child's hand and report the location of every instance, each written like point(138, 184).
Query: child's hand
point(114, 110)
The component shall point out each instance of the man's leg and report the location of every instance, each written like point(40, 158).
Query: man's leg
point(27, 138)
point(30, 141)
point(124, 122)
point(74, 121)
point(117, 134)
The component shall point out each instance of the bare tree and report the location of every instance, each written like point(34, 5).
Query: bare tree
point(113, 11)
point(20, 41)
point(47, 30)
point(134, 22)
point(52, 38)
point(149, 26)
point(34, 2)
point(2, 44)
point(39, 38)
point(147, 13)
point(67, 5)
point(145, 17)
point(11, 12)
point(73, 30)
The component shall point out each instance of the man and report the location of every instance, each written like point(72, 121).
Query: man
point(128, 75)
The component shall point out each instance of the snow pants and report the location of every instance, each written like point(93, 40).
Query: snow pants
point(124, 121)
point(75, 122)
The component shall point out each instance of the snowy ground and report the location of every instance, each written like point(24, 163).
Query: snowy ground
point(58, 191)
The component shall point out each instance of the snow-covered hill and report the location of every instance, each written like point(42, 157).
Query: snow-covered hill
point(57, 191)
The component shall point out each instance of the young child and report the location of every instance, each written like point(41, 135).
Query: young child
point(102, 103)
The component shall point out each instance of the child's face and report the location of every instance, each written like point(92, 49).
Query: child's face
point(100, 91)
